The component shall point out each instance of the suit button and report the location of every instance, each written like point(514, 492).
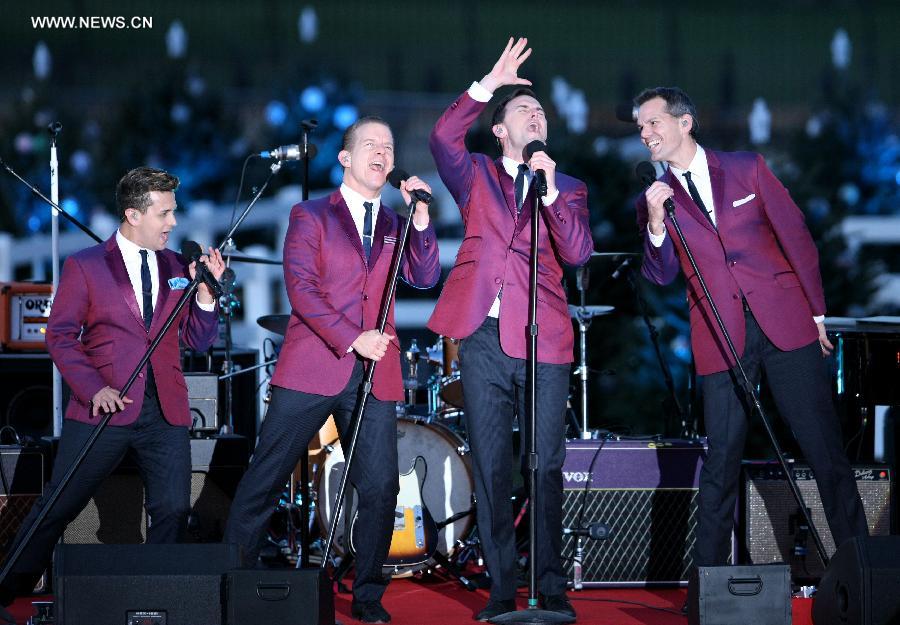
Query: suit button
point(497, 281)
point(734, 297)
point(733, 263)
point(140, 375)
point(365, 297)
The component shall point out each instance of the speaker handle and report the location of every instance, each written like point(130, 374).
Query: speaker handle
point(273, 592)
point(735, 585)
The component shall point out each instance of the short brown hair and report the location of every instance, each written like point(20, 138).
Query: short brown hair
point(350, 133)
point(133, 190)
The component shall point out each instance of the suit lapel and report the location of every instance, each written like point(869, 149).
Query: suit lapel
point(340, 208)
point(164, 269)
point(508, 186)
point(684, 200)
point(717, 181)
point(116, 265)
point(382, 228)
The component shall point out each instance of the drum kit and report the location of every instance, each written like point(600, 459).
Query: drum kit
point(430, 427)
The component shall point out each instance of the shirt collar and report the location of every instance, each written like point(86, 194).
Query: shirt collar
point(512, 167)
point(355, 200)
point(129, 247)
point(698, 165)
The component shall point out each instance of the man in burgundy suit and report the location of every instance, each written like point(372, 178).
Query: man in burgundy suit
point(335, 270)
point(485, 304)
point(759, 261)
point(112, 300)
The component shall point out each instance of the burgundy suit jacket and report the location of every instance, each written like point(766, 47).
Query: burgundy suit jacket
point(496, 247)
point(96, 335)
point(335, 295)
point(761, 250)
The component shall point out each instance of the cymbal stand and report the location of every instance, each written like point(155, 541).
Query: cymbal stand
point(582, 279)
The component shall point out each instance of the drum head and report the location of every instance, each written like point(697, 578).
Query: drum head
point(446, 490)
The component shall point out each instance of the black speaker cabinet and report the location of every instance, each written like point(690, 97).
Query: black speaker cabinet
point(861, 585)
point(296, 596)
point(115, 514)
point(122, 584)
point(23, 471)
point(26, 395)
point(774, 529)
point(646, 492)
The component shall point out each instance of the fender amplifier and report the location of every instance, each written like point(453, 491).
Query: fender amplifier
point(774, 529)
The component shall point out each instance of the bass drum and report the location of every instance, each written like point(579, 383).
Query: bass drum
point(447, 490)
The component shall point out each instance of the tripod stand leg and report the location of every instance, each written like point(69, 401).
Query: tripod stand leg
point(454, 571)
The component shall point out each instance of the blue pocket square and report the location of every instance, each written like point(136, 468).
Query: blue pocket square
point(177, 284)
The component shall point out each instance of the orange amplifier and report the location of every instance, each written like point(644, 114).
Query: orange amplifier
point(24, 308)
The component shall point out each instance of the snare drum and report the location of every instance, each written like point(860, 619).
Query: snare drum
point(447, 490)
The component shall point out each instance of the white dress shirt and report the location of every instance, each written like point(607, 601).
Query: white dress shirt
point(355, 202)
point(131, 254)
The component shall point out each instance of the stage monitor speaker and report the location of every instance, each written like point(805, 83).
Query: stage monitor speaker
point(115, 514)
point(740, 595)
point(646, 492)
point(22, 476)
point(136, 584)
point(296, 596)
point(861, 585)
point(774, 529)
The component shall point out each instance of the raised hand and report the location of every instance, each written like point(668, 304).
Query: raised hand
point(506, 69)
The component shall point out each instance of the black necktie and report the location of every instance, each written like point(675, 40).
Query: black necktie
point(520, 187)
point(695, 195)
point(146, 290)
point(367, 229)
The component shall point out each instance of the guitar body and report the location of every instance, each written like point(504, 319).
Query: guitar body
point(415, 535)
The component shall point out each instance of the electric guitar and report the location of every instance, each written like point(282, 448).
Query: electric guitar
point(414, 539)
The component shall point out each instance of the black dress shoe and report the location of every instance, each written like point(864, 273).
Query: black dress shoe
point(369, 612)
point(496, 607)
point(557, 603)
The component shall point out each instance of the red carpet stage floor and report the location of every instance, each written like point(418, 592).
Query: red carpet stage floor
point(437, 602)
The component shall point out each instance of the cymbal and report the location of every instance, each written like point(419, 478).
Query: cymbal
point(589, 312)
point(274, 323)
point(240, 257)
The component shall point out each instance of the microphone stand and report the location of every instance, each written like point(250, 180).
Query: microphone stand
point(53, 129)
point(366, 387)
point(52, 204)
point(750, 390)
point(307, 152)
point(104, 422)
point(533, 614)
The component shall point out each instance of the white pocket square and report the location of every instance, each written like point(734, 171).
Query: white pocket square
point(737, 203)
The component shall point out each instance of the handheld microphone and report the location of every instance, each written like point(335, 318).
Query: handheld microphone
point(192, 251)
point(292, 152)
point(626, 112)
point(646, 173)
point(594, 531)
point(540, 178)
point(397, 176)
